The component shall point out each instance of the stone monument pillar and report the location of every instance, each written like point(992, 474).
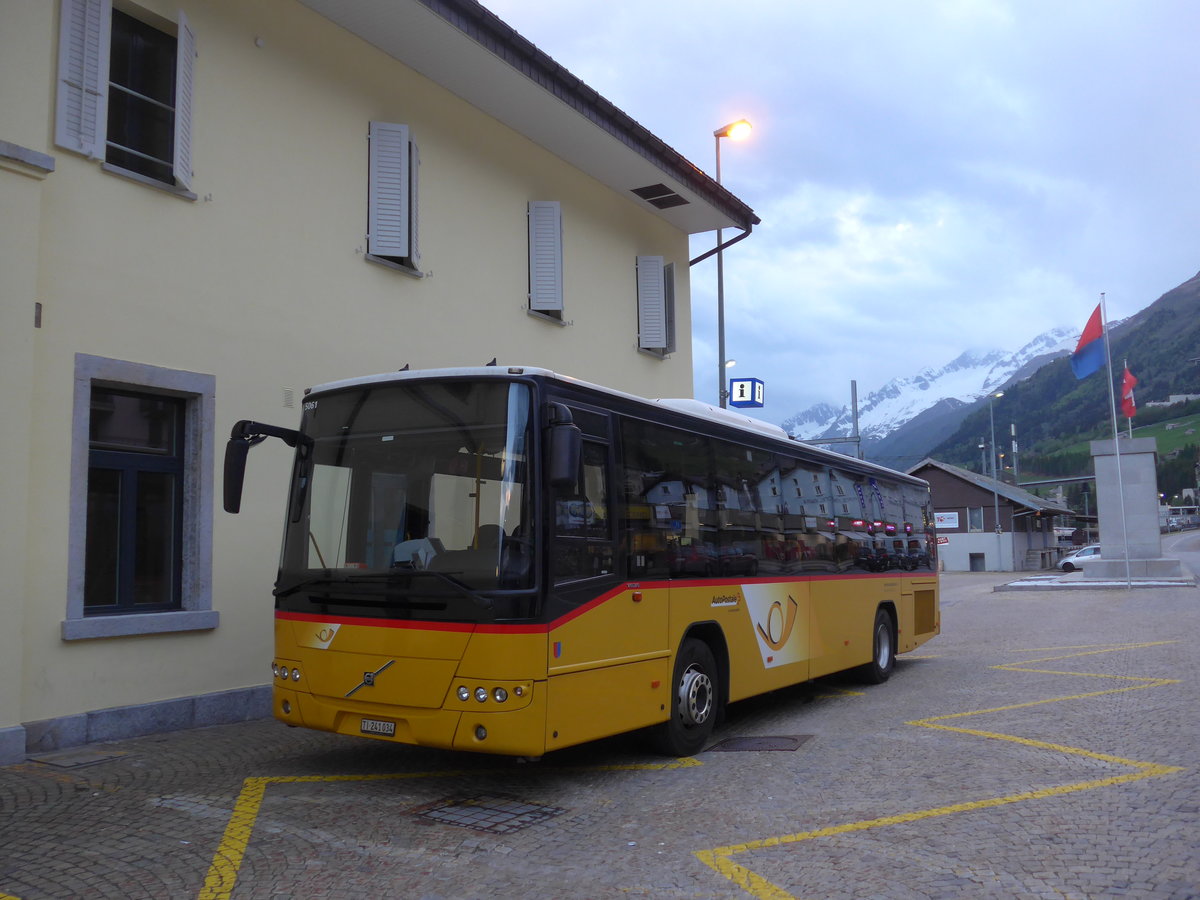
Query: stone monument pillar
point(1140, 533)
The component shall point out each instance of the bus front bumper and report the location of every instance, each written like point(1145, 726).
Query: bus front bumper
point(519, 732)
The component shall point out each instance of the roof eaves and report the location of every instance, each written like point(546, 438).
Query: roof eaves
point(491, 32)
point(1003, 488)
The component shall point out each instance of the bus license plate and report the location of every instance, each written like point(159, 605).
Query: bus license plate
point(378, 726)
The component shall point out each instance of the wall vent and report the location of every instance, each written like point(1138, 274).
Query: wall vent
point(660, 195)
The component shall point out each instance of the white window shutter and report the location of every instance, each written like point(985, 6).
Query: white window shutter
point(652, 305)
point(545, 255)
point(185, 65)
point(81, 110)
point(388, 209)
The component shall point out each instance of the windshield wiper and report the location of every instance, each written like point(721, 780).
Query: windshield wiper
point(475, 597)
point(447, 577)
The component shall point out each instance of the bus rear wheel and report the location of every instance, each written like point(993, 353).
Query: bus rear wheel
point(883, 650)
point(694, 699)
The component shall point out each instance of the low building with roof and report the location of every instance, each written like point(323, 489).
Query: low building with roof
point(986, 525)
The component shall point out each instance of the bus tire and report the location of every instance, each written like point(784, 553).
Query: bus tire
point(695, 697)
point(883, 650)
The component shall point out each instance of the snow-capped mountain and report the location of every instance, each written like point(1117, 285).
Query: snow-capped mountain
point(954, 386)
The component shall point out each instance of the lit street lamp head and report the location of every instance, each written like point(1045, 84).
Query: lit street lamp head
point(734, 130)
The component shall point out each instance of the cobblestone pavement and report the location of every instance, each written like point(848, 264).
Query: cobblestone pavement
point(1045, 745)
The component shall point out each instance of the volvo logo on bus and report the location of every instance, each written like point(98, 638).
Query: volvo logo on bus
point(368, 679)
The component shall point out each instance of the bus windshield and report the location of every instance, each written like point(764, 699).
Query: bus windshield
point(419, 487)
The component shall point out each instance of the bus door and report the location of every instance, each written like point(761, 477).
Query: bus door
point(607, 642)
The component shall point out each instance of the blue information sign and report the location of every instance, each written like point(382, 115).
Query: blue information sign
point(747, 393)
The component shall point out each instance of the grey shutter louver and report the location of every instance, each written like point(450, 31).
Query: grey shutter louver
point(81, 109)
point(669, 306)
point(651, 296)
point(185, 66)
point(388, 210)
point(414, 170)
point(545, 255)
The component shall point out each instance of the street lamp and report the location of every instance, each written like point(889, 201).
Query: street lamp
point(737, 131)
point(992, 398)
point(995, 493)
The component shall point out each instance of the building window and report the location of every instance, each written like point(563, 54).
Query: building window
point(125, 87)
point(546, 258)
point(393, 167)
point(975, 518)
point(134, 502)
point(140, 544)
point(656, 305)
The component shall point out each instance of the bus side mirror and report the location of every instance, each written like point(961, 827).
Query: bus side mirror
point(246, 434)
point(235, 472)
point(566, 442)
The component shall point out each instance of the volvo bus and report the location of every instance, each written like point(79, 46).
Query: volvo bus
point(511, 561)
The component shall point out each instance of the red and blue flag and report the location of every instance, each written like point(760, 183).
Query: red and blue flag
point(1089, 352)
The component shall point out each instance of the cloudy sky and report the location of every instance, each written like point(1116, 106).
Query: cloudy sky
point(932, 175)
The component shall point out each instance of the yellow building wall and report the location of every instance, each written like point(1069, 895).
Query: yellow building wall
point(261, 282)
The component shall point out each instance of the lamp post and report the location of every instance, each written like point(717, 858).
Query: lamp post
point(737, 131)
point(995, 476)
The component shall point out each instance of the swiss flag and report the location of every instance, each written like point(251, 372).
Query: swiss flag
point(1128, 382)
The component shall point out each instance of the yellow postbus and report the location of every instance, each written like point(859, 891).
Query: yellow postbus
point(507, 560)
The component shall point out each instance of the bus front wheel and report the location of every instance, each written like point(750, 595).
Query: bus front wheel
point(883, 650)
point(694, 699)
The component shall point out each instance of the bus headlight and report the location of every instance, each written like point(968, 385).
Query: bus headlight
point(510, 695)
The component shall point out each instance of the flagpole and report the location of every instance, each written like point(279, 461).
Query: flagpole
point(1112, 405)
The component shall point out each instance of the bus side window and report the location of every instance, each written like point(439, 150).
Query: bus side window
point(583, 540)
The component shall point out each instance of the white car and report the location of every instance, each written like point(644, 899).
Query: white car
point(1080, 558)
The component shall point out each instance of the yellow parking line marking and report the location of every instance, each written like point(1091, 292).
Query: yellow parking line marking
point(227, 861)
point(1096, 648)
point(832, 693)
point(720, 858)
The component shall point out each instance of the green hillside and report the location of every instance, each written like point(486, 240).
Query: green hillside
point(1185, 431)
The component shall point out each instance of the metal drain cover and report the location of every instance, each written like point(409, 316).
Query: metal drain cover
point(497, 815)
point(784, 742)
point(75, 757)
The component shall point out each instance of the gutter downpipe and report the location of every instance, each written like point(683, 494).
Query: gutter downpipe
point(720, 247)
